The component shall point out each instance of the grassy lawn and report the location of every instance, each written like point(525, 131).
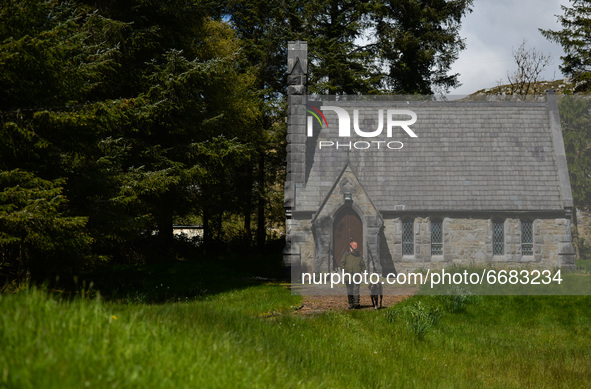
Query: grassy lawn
point(183, 326)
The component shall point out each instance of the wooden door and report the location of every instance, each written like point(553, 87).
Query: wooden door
point(347, 227)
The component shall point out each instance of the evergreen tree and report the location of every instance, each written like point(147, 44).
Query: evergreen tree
point(179, 70)
point(263, 27)
point(47, 66)
point(113, 106)
point(575, 117)
point(417, 41)
point(118, 116)
point(341, 58)
point(574, 39)
point(37, 238)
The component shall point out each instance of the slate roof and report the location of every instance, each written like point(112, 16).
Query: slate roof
point(469, 156)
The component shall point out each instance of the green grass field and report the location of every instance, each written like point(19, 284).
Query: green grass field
point(193, 325)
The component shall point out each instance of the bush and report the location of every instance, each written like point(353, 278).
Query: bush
point(456, 299)
point(37, 238)
point(419, 318)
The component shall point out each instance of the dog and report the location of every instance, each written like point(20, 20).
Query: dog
point(376, 292)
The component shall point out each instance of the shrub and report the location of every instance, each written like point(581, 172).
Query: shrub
point(419, 318)
point(37, 237)
point(456, 299)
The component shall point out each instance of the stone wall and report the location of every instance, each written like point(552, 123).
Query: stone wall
point(466, 242)
point(300, 256)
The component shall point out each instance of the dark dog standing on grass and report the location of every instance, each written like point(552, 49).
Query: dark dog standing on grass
point(376, 291)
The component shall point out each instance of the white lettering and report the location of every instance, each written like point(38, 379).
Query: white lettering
point(396, 143)
point(360, 145)
point(344, 120)
point(401, 123)
point(376, 280)
point(357, 278)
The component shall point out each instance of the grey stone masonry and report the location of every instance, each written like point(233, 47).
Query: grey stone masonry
point(297, 67)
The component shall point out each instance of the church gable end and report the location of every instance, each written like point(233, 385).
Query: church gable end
point(347, 193)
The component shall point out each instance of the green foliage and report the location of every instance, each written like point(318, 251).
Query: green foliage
point(49, 65)
point(575, 118)
point(35, 235)
point(418, 317)
point(108, 106)
point(48, 56)
point(456, 302)
point(574, 39)
point(351, 42)
point(457, 299)
point(339, 63)
point(418, 40)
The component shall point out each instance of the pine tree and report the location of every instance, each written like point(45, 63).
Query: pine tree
point(341, 60)
point(417, 42)
point(575, 117)
point(113, 105)
point(179, 70)
point(47, 66)
point(574, 39)
point(263, 27)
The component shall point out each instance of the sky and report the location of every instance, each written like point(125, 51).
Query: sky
point(497, 27)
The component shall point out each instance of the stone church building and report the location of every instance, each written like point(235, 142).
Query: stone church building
point(424, 184)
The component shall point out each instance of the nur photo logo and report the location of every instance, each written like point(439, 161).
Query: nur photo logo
point(393, 120)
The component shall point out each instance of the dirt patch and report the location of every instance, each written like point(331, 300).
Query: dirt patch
point(317, 304)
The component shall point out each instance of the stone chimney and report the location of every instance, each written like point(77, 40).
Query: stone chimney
point(297, 70)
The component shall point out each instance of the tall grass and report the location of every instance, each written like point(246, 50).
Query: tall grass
point(247, 337)
point(418, 317)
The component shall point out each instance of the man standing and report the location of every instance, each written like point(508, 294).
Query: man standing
point(352, 263)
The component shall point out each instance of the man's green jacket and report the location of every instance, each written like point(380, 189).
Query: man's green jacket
point(352, 262)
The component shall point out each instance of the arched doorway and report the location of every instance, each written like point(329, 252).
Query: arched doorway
point(347, 227)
